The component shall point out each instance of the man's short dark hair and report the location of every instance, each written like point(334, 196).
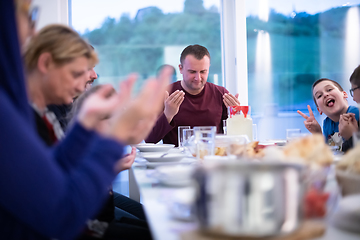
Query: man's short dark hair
point(321, 80)
point(198, 51)
point(355, 77)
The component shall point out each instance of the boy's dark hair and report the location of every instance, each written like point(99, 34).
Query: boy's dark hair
point(355, 77)
point(198, 51)
point(321, 80)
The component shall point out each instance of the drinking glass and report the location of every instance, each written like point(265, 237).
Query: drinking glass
point(254, 133)
point(180, 135)
point(224, 127)
point(292, 134)
point(187, 133)
point(205, 141)
point(189, 141)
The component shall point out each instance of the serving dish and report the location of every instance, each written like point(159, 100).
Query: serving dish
point(349, 182)
point(249, 199)
point(347, 216)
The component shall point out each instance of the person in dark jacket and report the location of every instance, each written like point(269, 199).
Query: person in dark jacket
point(49, 193)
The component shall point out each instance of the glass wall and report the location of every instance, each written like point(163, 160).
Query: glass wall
point(290, 45)
point(139, 36)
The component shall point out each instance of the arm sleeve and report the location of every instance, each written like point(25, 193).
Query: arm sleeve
point(347, 145)
point(40, 195)
point(224, 108)
point(326, 130)
point(161, 128)
point(224, 115)
point(70, 151)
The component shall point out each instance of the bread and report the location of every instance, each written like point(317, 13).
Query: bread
point(251, 150)
point(312, 149)
point(350, 162)
point(220, 151)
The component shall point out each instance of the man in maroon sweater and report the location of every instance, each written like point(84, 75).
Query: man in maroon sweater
point(192, 101)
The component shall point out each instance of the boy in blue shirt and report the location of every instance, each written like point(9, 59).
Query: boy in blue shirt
point(348, 123)
point(330, 99)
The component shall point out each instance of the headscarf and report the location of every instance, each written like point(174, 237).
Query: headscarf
point(37, 182)
point(11, 69)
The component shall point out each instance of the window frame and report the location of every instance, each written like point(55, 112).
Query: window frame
point(233, 37)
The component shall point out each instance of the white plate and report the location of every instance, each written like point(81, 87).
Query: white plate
point(175, 175)
point(181, 202)
point(183, 161)
point(151, 147)
point(277, 142)
point(162, 157)
point(347, 216)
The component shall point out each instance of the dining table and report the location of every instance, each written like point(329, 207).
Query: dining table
point(166, 224)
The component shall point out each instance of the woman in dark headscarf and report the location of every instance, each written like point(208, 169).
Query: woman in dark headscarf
point(49, 194)
point(39, 199)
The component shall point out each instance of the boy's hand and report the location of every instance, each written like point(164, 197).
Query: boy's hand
point(310, 122)
point(348, 116)
point(347, 125)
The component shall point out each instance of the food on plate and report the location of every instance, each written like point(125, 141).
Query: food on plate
point(350, 162)
point(226, 145)
point(310, 150)
point(220, 151)
point(315, 203)
point(254, 150)
point(251, 150)
point(348, 172)
point(203, 153)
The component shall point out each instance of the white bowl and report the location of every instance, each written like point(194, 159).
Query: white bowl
point(347, 216)
point(184, 161)
point(163, 156)
point(175, 175)
point(349, 182)
point(151, 147)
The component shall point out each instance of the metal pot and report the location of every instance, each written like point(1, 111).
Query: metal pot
point(248, 198)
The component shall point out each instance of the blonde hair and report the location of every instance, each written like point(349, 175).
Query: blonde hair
point(62, 42)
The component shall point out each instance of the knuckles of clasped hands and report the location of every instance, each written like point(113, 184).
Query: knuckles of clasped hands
point(347, 125)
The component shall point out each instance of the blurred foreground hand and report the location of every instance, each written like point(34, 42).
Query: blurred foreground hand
point(132, 119)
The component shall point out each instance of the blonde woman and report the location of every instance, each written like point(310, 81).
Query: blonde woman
point(57, 62)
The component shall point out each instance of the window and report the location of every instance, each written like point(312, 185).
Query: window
point(140, 36)
point(290, 45)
